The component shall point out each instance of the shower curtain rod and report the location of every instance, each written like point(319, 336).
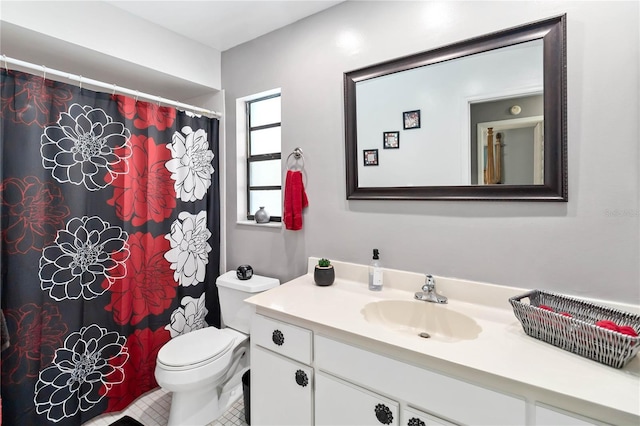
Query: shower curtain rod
point(80, 79)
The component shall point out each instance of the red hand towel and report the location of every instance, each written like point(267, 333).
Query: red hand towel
point(295, 199)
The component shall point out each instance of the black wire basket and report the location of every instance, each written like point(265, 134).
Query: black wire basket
point(569, 323)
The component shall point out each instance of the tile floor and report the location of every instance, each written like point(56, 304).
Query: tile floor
point(152, 409)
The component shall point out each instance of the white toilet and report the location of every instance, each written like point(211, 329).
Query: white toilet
point(203, 369)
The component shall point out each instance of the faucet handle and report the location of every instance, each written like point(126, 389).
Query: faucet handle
point(429, 283)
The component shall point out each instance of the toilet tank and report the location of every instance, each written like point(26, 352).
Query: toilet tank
point(231, 291)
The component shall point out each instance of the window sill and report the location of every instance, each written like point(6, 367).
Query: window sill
point(260, 225)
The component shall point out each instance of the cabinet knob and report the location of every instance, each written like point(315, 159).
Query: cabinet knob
point(301, 378)
point(383, 414)
point(414, 421)
point(277, 337)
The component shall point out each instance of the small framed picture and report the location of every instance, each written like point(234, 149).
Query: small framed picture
point(391, 140)
point(370, 157)
point(411, 119)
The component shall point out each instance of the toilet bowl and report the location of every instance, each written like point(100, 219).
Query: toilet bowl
point(203, 369)
point(198, 369)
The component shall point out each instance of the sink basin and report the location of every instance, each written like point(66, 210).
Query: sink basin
point(440, 322)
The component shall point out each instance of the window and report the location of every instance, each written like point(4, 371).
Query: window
point(264, 172)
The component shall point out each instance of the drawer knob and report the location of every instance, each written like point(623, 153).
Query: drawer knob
point(301, 378)
point(277, 337)
point(383, 414)
point(414, 421)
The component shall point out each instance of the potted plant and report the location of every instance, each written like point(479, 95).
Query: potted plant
point(324, 274)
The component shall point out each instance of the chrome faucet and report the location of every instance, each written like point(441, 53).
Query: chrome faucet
point(428, 293)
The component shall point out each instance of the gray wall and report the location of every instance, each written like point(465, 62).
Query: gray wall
point(517, 154)
point(588, 246)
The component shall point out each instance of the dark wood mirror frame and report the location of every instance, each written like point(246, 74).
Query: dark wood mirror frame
point(553, 33)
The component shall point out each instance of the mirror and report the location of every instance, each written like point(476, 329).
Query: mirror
point(482, 119)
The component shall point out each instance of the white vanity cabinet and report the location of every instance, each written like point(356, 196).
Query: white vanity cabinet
point(340, 384)
point(281, 378)
point(360, 350)
point(341, 403)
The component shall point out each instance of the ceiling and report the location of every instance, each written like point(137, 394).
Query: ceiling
point(222, 24)
point(217, 24)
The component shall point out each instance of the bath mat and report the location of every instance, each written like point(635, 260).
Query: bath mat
point(126, 421)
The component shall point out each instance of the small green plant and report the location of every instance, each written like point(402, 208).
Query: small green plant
point(323, 263)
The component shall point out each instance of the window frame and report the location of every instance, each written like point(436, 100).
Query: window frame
point(260, 157)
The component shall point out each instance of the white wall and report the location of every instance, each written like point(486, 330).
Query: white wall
point(103, 42)
point(588, 246)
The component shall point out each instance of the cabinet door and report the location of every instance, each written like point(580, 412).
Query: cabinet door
point(280, 390)
point(413, 417)
point(341, 403)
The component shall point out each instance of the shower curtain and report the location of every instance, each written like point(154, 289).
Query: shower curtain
point(109, 244)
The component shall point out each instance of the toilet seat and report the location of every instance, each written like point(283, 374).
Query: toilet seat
point(195, 349)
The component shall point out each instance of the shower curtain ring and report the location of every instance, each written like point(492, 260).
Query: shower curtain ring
point(114, 90)
point(44, 72)
point(137, 94)
point(80, 81)
point(159, 100)
point(6, 65)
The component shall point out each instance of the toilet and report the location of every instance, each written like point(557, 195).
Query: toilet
point(203, 369)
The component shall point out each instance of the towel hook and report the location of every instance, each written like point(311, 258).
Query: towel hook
point(297, 155)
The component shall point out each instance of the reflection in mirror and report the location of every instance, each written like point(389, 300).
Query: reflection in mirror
point(481, 119)
point(442, 93)
point(517, 127)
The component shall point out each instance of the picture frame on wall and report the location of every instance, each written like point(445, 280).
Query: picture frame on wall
point(411, 119)
point(370, 157)
point(391, 140)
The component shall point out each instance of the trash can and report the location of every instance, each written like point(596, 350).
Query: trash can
point(246, 392)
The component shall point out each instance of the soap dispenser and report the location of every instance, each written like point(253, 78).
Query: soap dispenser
point(375, 272)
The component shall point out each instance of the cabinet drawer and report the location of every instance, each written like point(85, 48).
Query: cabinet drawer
point(556, 417)
point(342, 404)
point(286, 339)
point(418, 386)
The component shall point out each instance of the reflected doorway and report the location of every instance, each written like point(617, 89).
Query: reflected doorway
point(514, 126)
point(517, 152)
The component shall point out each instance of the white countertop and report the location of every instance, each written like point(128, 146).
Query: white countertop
point(501, 349)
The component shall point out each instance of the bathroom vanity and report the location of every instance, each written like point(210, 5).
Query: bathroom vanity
point(343, 355)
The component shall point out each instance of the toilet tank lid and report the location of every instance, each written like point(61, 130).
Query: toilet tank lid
point(254, 284)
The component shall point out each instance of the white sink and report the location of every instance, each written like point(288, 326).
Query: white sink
point(439, 321)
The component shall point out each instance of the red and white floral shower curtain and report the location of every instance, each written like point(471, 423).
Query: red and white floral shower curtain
point(109, 244)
